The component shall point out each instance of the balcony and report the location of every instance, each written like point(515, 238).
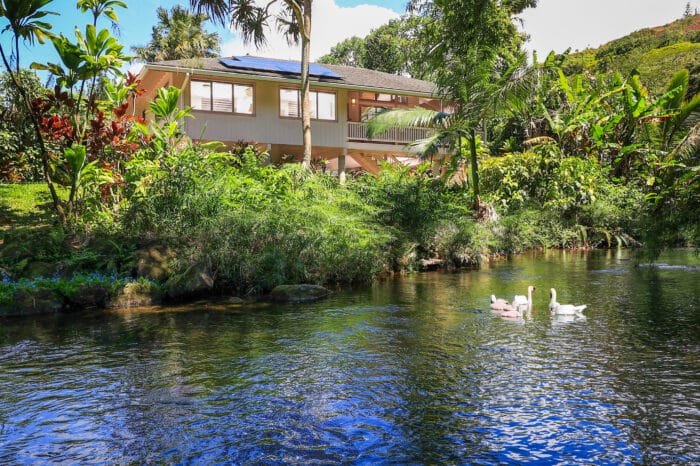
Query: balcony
point(358, 132)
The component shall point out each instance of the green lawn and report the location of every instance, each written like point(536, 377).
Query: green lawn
point(26, 205)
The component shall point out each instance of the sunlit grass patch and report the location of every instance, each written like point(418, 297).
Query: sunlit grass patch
point(25, 205)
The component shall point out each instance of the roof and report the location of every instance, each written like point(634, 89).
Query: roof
point(351, 77)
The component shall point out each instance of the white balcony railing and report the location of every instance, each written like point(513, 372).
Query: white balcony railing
point(358, 132)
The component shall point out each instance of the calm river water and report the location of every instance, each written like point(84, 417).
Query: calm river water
point(409, 371)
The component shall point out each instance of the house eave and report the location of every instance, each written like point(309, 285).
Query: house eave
point(255, 77)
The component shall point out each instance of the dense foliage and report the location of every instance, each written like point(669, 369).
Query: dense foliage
point(20, 159)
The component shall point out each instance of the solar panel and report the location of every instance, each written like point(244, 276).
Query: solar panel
point(277, 66)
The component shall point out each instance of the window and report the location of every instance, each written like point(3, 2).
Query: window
point(289, 103)
point(221, 97)
point(243, 99)
point(325, 103)
point(370, 112)
point(322, 104)
point(379, 97)
point(200, 98)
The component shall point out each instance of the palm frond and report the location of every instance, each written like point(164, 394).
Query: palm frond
point(539, 140)
point(218, 10)
point(428, 147)
point(288, 26)
point(689, 147)
point(405, 118)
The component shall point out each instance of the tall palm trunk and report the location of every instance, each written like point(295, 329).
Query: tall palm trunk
point(305, 94)
point(473, 161)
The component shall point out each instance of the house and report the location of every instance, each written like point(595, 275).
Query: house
point(256, 99)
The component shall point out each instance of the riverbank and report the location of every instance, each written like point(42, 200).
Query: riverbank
point(206, 224)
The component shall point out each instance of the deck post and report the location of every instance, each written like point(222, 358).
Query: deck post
point(341, 165)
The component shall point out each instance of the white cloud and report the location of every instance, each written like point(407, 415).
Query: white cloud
point(135, 68)
point(330, 24)
point(559, 24)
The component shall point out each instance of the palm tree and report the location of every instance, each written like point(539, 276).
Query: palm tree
point(486, 97)
point(294, 20)
point(684, 112)
point(24, 18)
point(179, 34)
point(474, 47)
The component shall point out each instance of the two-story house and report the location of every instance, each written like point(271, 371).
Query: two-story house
point(253, 99)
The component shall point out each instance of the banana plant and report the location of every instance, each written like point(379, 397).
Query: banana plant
point(166, 131)
point(683, 112)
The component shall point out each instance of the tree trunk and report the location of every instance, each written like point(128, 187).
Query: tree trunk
point(475, 168)
point(341, 166)
point(305, 95)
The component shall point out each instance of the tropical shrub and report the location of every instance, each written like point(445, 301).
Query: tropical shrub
point(423, 214)
point(578, 204)
point(67, 287)
point(256, 226)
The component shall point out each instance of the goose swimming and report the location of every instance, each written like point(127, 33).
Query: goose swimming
point(520, 301)
point(563, 309)
point(499, 304)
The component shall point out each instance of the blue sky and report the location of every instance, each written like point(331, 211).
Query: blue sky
point(136, 21)
point(553, 25)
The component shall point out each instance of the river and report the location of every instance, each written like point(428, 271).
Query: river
point(412, 370)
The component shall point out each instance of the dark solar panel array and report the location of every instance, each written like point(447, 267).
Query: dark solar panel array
point(277, 66)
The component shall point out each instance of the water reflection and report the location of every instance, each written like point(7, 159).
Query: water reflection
point(412, 370)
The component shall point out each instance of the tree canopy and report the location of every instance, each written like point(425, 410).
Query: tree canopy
point(391, 48)
point(179, 34)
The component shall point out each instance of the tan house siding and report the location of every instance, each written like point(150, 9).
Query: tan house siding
point(266, 126)
point(343, 139)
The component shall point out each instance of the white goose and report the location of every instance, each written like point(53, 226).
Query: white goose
point(563, 309)
point(525, 302)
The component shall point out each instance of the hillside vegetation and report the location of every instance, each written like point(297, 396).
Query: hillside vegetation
point(656, 53)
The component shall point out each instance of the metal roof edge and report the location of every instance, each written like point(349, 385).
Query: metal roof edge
point(255, 77)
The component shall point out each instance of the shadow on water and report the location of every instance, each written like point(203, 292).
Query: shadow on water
point(411, 370)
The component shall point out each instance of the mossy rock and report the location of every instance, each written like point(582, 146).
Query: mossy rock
point(154, 263)
point(136, 295)
point(32, 302)
point(13, 252)
point(40, 269)
point(193, 283)
point(89, 296)
point(298, 293)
